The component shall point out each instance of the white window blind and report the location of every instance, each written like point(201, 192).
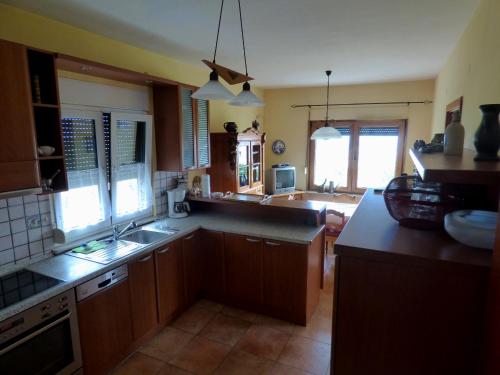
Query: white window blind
point(131, 189)
point(84, 208)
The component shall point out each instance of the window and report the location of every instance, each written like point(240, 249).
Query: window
point(108, 159)
point(368, 155)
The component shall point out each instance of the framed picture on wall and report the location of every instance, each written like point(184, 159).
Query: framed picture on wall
point(454, 106)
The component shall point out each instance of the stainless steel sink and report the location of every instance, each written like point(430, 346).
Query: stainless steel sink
point(146, 237)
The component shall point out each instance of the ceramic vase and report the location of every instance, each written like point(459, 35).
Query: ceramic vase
point(487, 137)
point(454, 136)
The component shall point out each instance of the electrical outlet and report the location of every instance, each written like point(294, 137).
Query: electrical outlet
point(33, 222)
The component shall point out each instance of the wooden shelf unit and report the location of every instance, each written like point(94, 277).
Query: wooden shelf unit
point(463, 169)
point(47, 117)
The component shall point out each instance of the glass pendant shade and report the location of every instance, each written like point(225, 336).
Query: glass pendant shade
point(213, 90)
point(246, 98)
point(325, 132)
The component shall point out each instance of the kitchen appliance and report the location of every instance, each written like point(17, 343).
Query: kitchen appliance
point(101, 282)
point(42, 340)
point(20, 285)
point(177, 207)
point(281, 179)
point(418, 204)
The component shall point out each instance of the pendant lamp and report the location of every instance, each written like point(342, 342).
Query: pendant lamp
point(246, 98)
point(213, 89)
point(326, 132)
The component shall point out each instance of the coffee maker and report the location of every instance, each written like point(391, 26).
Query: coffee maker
point(177, 207)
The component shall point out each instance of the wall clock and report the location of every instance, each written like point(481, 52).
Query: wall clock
point(278, 147)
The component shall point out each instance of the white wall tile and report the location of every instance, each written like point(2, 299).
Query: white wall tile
point(44, 207)
point(20, 238)
point(35, 234)
point(46, 232)
point(6, 256)
point(4, 229)
point(16, 212)
point(3, 203)
point(15, 201)
point(36, 248)
point(21, 252)
point(48, 244)
point(31, 209)
point(30, 198)
point(18, 225)
point(4, 215)
point(5, 243)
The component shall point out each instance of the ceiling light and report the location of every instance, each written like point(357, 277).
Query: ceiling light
point(326, 132)
point(245, 98)
point(213, 90)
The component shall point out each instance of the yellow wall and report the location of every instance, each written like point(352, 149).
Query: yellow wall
point(472, 70)
point(27, 28)
point(291, 125)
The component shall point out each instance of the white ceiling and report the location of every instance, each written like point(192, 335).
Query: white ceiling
point(289, 42)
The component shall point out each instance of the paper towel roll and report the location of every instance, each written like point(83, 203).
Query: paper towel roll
point(205, 185)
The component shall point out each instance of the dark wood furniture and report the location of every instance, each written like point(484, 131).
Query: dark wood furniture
point(30, 118)
point(192, 254)
point(181, 129)
point(406, 301)
point(237, 167)
point(244, 271)
point(214, 283)
point(169, 281)
point(456, 169)
point(142, 284)
point(105, 326)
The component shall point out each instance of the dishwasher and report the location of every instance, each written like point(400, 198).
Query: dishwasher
point(104, 317)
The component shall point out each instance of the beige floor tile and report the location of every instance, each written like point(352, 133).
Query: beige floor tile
point(240, 314)
point(263, 341)
point(280, 325)
point(201, 356)
point(281, 369)
point(318, 328)
point(225, 329)
point(306, 354)
point(242, 363)
point(209, 305)
point(139, 364)
point(166, 344)
point(194, 319)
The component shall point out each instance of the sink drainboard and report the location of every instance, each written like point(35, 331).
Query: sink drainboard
point(110, 253)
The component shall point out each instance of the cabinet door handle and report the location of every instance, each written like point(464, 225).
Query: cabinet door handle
point(189, 237)
point(272, 243)
point(145, 259)
point(163, 251)
point(252, 240)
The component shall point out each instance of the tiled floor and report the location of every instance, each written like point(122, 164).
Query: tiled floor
point(210, 338)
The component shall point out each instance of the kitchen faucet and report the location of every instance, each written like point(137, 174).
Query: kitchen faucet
point(117, 234)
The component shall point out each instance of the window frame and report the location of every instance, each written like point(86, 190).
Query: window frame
point(352, 169)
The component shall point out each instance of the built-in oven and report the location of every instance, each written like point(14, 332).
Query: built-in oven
point(42, 340)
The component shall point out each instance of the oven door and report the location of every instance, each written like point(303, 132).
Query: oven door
point(49, 348)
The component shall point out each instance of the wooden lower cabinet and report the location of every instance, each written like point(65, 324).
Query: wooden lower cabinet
point(285, 280)
point(169, 281)
point(105, 325)
point(214, 283)
point(142, 284)
point(244, 271)
point(192, 255)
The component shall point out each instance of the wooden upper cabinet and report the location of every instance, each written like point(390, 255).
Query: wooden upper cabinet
point(142, 286)
point(244, 273)
point(181, 129)
point(18, 164)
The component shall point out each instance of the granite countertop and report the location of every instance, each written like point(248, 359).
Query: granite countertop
point(74, 271)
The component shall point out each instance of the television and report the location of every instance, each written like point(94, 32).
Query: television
point(281, 180)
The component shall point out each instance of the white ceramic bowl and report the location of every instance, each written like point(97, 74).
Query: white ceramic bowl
point(472, 227)
point(46, 150)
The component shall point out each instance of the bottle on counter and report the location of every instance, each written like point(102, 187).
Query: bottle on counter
point(454, 136)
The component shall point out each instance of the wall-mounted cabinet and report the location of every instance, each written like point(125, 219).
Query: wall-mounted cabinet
point(30, 118)
point(181, 128)
point(237, 162)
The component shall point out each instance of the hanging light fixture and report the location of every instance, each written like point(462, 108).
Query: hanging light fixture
point(246, 98)
point(326, 131)
point(213, 89)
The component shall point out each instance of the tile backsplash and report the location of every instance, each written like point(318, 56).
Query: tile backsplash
point(26, 224)
point(25, 228)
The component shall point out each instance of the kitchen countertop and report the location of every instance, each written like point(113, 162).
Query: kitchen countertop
point(74, 271)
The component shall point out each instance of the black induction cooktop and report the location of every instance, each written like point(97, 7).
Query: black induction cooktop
point(23, 284)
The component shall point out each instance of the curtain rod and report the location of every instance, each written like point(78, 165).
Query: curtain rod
point(354, 104)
